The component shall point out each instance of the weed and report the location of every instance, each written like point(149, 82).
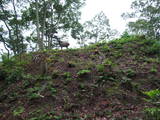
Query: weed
point(33, 93)
point(153, 94)
point(152, 113)
point(83, 72)
point(67, 75)
point(130, 72)
point(14, 75)
point(18, 111)
point(153, 69)
point(100, 68)
point(105, 48)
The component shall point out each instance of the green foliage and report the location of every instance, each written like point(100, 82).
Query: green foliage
point(117, 54)
point(83, 72)
point(100, 68)
point(42, 116)
point(98, 29)
point(125, 35)
point(105, 78)
point(118, 43)
point(148, 21)
point(152, 113)
point(50, 88)
point(153, 69)
point(8, 62)
point(153, 94)
point(152, 60)
point(105, 48)
point(67, 75)
point(32, 93)
point(107, 62)
point(130, 72)
point(18, 111)
point(14, 75)
point(154, 49)
point(95, 45)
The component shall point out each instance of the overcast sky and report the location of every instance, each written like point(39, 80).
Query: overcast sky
point(112, 8)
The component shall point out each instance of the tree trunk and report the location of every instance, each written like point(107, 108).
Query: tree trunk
point(40, 42)
point(44, 20)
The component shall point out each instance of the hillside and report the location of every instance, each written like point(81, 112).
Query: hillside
point(104, 81)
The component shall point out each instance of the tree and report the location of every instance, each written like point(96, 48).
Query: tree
point(98, 28)
point(11, 25)
point(52, 17)
point(147, 13)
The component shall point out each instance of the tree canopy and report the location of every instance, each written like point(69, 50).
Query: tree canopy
point(147, 13)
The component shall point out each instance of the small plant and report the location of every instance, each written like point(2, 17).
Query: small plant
point(105, 48)
point(154, 49)
point(100, 68)
point(104, 79)
point(83, 72)
point(117, 54)
point(8, 62)
point(33, 93)
point(152, 113)
point(153, 69)
point(107, 62)
point(14, 75)
point(18, 111)
point(153, 94)
point(67, 75)
point(130, 73)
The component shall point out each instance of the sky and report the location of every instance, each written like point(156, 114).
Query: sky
point(112, 9)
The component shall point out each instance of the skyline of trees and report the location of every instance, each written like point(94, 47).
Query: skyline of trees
point(37, 24)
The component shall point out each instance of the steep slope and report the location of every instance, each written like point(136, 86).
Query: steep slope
point(101, 82)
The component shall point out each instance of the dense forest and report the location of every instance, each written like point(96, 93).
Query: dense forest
point(109, 77)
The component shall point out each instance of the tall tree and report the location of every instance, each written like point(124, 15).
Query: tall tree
point(53, 17)
point(11, 23)
point(97, 28)
point(147, 13)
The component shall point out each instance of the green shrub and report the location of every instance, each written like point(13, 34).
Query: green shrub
point(67, 75)
point(18, 111)
point(130, 73)
point(154, 49)
point(105, 78)
point(152, 113)
point(153, 94)
point(100, 68)
point(33, 93)
point(8, 62)
point(14, 75)
point(83, 72)
point(108, 62)
point(153, 69)
point(105, 48)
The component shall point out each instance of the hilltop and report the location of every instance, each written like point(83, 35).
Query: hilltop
point(103, 81)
